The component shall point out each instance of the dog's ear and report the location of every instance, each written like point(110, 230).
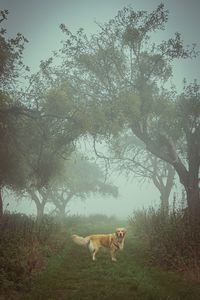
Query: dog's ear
point(124, 230)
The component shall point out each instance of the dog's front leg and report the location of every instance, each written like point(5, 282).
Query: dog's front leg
point(112, 253)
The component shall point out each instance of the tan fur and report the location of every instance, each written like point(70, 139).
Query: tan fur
point(113, 241)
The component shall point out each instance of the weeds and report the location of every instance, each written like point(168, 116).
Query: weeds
point(170, 241)
point(24, 245)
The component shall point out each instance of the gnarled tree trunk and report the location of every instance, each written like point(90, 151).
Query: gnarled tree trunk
point(188, 177)
point(165, 188)
point(40, 203)
point(1, 203)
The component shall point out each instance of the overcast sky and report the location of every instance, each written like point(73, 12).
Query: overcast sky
point(39, 22)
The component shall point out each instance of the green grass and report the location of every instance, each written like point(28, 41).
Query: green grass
point(73, 275)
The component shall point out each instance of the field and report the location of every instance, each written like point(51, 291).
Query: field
point(71, 274)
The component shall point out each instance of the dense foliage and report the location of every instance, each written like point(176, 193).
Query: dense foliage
point(25, 245)
point(170, 242)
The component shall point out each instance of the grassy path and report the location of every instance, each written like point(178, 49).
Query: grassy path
point(73, 275)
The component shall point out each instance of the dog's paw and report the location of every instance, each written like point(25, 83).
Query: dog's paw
point(114, 259)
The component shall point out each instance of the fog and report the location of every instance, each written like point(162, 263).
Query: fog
point(132, 196)
point(39, 22)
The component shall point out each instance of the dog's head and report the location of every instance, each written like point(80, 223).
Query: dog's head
point(120, 232)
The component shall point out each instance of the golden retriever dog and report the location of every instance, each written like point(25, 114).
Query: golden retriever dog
point(113, 241)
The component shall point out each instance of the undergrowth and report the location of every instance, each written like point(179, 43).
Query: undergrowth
point(38, 260)
point(25, 244)
point(170, 240)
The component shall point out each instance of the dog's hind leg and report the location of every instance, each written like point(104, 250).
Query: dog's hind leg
point(93, 250)
point(94, 254)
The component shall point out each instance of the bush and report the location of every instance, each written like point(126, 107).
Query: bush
point(24, 245)
point(170, 241)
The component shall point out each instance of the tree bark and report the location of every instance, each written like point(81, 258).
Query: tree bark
point(40, 210)
point(61, 210)
point(61, 203)
point(1, 203)
point(165, 188)
point(192, 184)
point(39, 205)
point(192, 188)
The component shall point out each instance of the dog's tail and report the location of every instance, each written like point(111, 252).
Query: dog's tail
point(79, 240)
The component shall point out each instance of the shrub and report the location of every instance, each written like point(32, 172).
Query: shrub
point(24, 244)
point(170, 241)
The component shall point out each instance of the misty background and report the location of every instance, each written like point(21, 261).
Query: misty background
point(39, 22)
